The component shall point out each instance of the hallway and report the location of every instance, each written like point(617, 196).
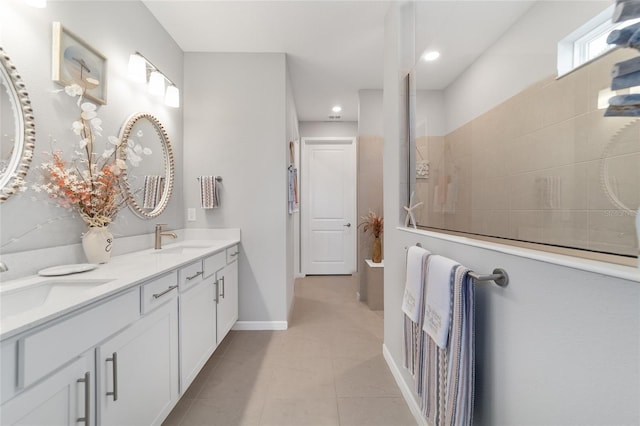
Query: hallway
point(326, 369)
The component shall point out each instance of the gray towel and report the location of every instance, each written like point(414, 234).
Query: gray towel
point(209, 192)
point(627, 80)
point(153, 189)
point(625, 10)
point(626, 67)
point(621, 37)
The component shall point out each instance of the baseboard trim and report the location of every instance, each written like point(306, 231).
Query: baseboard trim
point(260, 325)
point(414, 407)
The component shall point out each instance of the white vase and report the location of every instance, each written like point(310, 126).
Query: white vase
point(97, 243)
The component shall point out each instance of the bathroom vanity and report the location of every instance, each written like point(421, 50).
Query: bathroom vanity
point(117, 345)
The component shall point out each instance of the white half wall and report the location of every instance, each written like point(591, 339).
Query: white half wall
point(558, 346)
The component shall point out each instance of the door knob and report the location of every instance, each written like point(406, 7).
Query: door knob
point(348, 225)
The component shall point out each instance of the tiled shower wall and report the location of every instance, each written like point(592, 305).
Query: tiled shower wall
point(532, 168)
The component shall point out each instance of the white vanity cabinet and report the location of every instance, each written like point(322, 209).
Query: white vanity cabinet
point(138, 368)
point(197, 320)
point(124, 358)
point(64, 398)
point(227, 279)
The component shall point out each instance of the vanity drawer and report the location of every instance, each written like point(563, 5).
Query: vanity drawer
point(160, 290)
point(214, 263)
point(232, 253)
point(49, 348)
point(190, 275)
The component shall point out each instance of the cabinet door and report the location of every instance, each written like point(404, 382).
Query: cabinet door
point(138, 370)
point(227, 299)
point(197, 329)
point(65, 398)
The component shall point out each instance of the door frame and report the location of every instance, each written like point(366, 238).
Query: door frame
point(304, 219)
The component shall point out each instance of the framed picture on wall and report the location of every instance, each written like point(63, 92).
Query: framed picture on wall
point(75, 61)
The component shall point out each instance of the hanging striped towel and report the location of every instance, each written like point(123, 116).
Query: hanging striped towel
point(152, 191)
point(448, 373)
point(461, 355)
point(209, 192)
point(412, 306)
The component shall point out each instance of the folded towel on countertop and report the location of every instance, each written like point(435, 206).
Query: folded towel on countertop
point(621, 37)
point(622, 111)
point(626, 67)
point(624, 81)
point(626, 10)
point(624, 100)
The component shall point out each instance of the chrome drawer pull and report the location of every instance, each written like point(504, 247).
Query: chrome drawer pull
point(114, 359)
point(222, 287)
point(194, 276)
point(159, 295)
point(233, 254)
point(87, 399)
point(217, 292)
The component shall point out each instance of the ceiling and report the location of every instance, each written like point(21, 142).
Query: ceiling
point(335, 48)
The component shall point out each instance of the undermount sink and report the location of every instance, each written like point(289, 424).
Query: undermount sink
point(49, 292)
point(182, 248)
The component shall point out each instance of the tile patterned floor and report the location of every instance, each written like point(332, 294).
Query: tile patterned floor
point(326, 369)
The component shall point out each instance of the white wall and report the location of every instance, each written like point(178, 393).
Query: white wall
point(370, 112)
point(490, 79)
point(559, 345)
point(116, 29)
point(328, 129)
point(430, 113)
point(236, 127)
point(293, 221)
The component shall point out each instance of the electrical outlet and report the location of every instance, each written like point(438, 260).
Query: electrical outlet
point(191, 214)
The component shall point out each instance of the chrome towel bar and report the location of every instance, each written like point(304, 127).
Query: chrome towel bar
point(499, 275)
point(218, 178)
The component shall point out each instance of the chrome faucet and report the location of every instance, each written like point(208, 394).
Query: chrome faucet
point(160, 233)
point(3, 267)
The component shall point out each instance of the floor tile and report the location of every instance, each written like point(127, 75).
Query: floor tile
point(224, 412)
point(296, 412)
point(374, 412)
point(364, 378)
point(326, 369)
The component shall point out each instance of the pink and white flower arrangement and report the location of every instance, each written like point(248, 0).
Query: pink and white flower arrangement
point(89, 182)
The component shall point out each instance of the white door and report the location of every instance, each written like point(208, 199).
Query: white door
point(328, 205)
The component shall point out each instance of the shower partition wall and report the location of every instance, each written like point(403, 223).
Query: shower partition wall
point(544, 166)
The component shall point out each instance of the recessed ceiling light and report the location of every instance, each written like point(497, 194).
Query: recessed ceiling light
point(336, 108)
point(431, 56)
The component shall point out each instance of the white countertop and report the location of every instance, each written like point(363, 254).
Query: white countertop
point(121, 273)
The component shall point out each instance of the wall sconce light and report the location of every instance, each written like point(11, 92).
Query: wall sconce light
point(142, 70)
